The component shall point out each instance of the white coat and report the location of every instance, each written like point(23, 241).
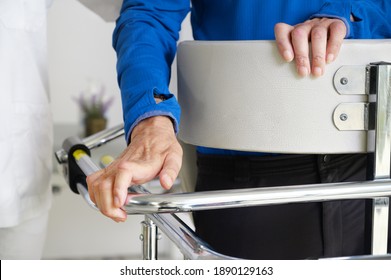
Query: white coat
point(25, 118)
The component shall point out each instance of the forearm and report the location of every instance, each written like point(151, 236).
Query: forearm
point(145, 40)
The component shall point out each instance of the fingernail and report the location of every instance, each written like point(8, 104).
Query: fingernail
point(167, 180)
point(318, 72)
point(330, 58)
point(288, 56)
point(303, 71)
point(120, 219)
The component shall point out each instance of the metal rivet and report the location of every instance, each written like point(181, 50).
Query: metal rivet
point(344, 81)
point(343, 117)
point(141, 237)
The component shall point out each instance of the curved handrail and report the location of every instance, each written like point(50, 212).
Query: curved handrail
point(209, 200)
point(140, 201)
point(145, 203)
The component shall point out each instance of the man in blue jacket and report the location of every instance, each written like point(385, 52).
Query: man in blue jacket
point(145, 40)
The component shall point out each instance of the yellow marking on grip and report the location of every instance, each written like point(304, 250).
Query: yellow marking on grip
point(106, 160)
point(78, 154)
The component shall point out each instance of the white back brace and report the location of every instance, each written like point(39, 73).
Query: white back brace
point(241, 95)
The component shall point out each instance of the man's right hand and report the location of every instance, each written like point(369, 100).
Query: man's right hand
point(153, 152)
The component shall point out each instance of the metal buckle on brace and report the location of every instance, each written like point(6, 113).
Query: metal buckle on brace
point(352, 80)
point(358, 80)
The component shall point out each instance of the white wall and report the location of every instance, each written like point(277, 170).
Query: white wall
point(80, 53)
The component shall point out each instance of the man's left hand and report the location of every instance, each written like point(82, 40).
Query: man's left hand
point(326, 36)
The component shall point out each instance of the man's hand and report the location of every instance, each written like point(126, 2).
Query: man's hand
point(326, 36)
point(153, 152)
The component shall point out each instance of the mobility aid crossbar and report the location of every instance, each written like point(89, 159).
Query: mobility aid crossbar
point(364, 111)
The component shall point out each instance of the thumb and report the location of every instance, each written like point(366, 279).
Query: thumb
point(170, 171)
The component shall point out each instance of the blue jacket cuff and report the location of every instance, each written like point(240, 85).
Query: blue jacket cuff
point(146, 107)
point(337, 10)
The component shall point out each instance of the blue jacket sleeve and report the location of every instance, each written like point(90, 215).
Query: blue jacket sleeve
point(372, 18)
point(145, 40)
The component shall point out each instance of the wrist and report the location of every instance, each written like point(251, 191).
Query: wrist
point(163, 123)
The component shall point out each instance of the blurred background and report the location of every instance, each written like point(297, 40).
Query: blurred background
point(82, 60)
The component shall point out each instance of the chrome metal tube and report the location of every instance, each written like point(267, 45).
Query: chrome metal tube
point(103, 137)
point(363, 257)
point(84, 193)
point(380, 225)
point(383, 123)
point(191, 246)
point(183, 202)
point(382, 158)
point(87, 165)
point(149, 239)
point(93, 141)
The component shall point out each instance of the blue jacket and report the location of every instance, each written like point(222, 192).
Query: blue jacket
point(146, 34)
